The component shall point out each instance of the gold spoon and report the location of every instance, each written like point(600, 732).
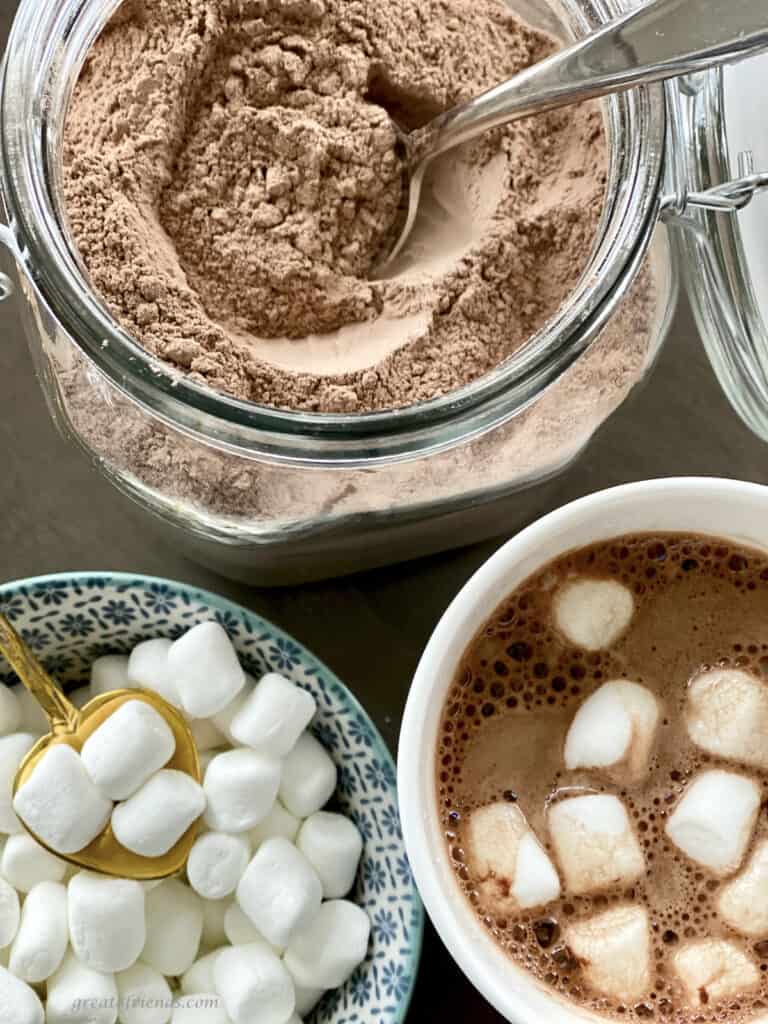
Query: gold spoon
point(73, 727)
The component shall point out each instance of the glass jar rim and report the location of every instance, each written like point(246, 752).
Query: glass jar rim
point(43, 60)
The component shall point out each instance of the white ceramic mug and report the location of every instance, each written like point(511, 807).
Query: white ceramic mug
point(726, 508)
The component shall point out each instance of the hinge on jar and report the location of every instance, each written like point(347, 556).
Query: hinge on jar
point(729, 197)
point(680, 200)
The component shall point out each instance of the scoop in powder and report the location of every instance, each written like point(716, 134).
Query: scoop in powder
point(231, 178)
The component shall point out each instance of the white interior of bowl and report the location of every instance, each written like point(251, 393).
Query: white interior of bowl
point(729, 509)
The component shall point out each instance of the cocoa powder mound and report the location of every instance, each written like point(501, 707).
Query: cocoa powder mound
point(231, 180)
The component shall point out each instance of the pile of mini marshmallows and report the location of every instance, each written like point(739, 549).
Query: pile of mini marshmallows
point(257, 931)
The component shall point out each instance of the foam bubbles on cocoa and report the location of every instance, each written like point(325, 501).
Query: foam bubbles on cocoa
point(700, 603)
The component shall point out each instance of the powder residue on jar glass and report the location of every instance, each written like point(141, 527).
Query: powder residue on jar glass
point(232, 181)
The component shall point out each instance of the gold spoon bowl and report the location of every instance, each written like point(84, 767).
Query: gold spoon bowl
point(73, 726)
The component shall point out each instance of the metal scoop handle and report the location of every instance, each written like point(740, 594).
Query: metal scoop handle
point(662, 40)
point(62, 713)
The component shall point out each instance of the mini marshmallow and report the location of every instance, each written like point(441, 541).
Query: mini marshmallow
point(12, 751)
point(274, 716)
point(145, 996)
point(727, 715)
point(19, 1004)
point(278, 822)
point(511, 867)
point(43, 935)
point(223, 719)
point(79, 995)
point(326, 952)
point(280, 891)
point(309, 777)
point(174, 916)
point(148, 668)
point(254, 985)
point(713, 969)
point(614, 729)
point(109, 673)
point(199, 977)
point(205, 670)
point(106, 921)
point(614, 950)
point(239, 929)
point(127, 748)
point(10, 914)
point(743, 902)
point(713, 822)
point(60, 804)
point(206, 735)
point(332, 844)
point(594, 842)
point(240, 788)
point(10, 711)
point(216, 864)
point(214, 934)
point(33, 718)
point(155, 818)
point(25, 863)
point(200, 1008)
point(593, 613)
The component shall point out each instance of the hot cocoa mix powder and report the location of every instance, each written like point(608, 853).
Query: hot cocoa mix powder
point(699, 602)
point(232, 179)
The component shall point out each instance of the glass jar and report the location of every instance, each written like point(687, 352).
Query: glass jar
point(269, 496)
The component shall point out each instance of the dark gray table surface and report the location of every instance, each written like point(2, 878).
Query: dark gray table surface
point(59, 514)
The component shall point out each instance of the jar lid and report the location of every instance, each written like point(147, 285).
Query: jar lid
point(723, 145)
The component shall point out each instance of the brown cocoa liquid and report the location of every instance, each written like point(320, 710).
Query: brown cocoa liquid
point(699, 602)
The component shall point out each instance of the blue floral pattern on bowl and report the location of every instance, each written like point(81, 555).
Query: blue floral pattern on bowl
point(73, 618)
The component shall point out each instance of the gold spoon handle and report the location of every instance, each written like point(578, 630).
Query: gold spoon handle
point(63, 714)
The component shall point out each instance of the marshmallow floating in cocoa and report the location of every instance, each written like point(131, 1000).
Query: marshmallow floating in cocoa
point(513, 870)
point(593, 613)
point(614, 730)
point(711, 970)
point(615, 950)
point(595, 843)
point(743, 901)
point(727, 715)
point(713, 822)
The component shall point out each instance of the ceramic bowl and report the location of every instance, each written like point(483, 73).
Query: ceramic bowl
point(73, 618)
point(724, 508)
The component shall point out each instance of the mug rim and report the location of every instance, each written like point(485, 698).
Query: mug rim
point(511, 990)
